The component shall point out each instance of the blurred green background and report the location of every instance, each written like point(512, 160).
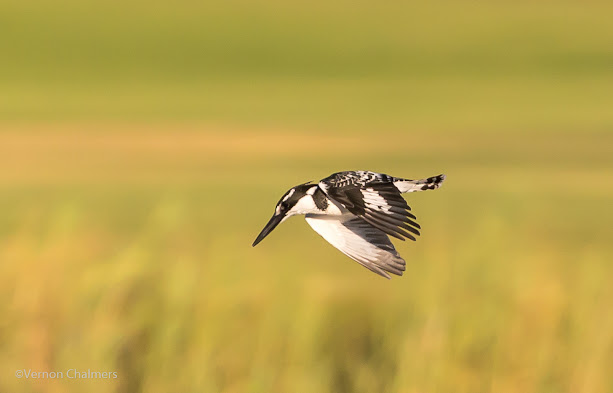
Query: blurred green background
point(143, 146)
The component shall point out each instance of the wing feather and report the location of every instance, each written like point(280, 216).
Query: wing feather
point(398, 227)
point(396, 219)
point(361, 242)
point(378, 202)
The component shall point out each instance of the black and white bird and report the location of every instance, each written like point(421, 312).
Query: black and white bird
point(356, 211)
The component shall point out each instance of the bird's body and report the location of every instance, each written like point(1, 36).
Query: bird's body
point(356, 211)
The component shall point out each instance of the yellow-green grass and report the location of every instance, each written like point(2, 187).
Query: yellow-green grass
point(133, 254)
point(347, 65)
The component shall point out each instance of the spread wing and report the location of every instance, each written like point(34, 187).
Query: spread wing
point(379, 203)
point(361, 242)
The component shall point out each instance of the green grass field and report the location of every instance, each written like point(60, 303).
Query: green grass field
point(143, 147)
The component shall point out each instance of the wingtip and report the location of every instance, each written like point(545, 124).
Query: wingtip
point(435, 182)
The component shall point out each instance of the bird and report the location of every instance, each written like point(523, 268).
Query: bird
point(357, 212)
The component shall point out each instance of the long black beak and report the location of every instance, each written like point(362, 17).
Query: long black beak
point(272, 224)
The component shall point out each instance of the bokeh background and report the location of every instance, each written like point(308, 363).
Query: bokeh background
point(143, 145)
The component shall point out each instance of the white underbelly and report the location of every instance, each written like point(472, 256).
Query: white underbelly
point(335, 209)
point(337, 213)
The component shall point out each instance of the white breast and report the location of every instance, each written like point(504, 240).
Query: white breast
point(335, 209)
point(306, 205)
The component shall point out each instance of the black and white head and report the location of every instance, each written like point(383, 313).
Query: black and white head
point(298, 200)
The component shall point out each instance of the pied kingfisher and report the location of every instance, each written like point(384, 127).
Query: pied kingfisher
point(355, 211)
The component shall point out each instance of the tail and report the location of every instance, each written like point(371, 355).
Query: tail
point(431, 183)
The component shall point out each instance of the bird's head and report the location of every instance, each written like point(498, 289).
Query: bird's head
point(298, 200)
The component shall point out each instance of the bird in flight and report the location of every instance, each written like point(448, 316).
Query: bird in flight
point(356, 212)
